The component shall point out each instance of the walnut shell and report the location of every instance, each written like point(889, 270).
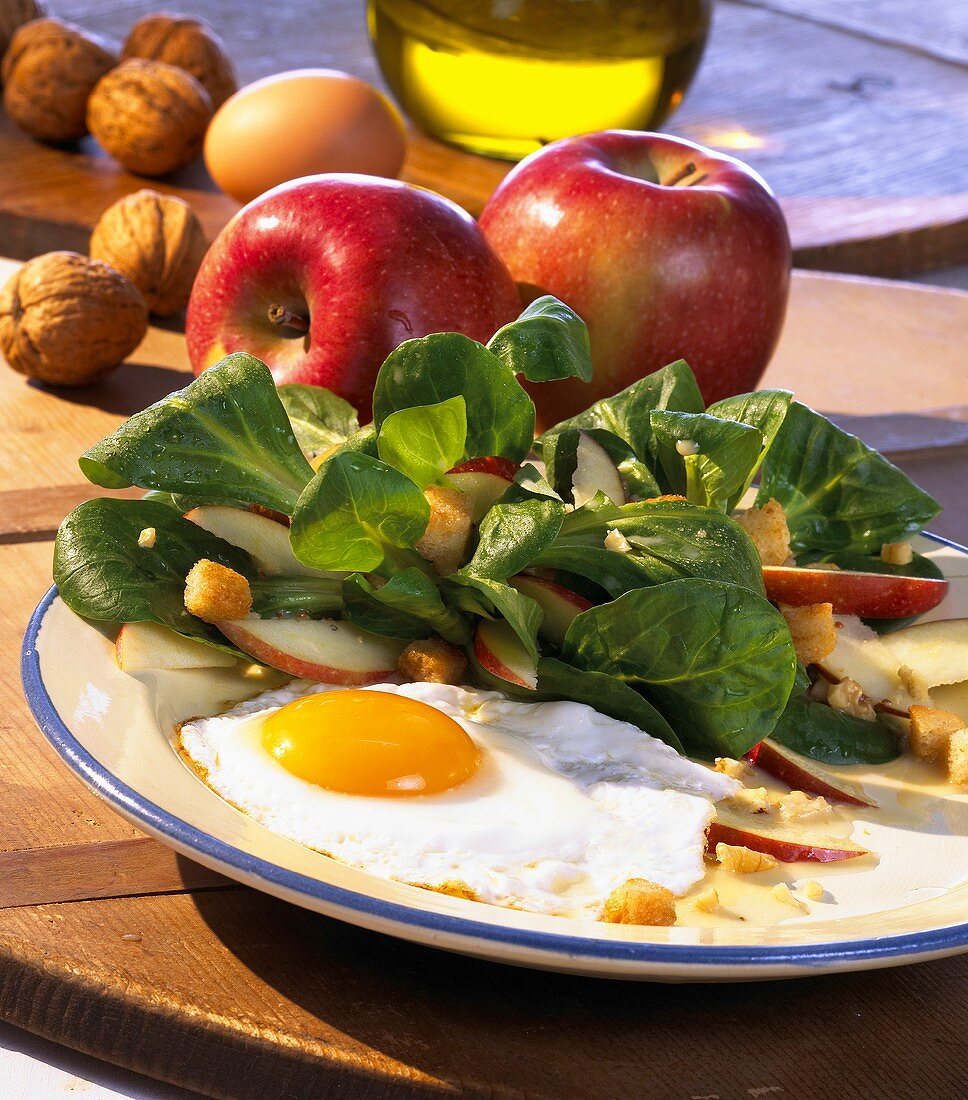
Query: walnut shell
point(69, 320)
point(189, 44)
point(49, 70)
point(150, 116)
point(13, 14)
point(157, 242)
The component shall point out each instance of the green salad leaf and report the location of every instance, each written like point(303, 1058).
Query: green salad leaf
point(669, 540)
point(626, 415)
point(548, 341)
point(717, 474)
point(607, 694)
point(224, 438)
point(500, 414)
point(714, 658)
point(319, 418)
point(409, 606)
point(838, 493)
point(102, 573)
point(425, 441)
point(765, 410)
point(832, 736)
point(317, 597)
point(357, 512)
point(494, 599)
point(512, 536)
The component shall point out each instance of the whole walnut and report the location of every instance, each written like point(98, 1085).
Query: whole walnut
point(69, 320)
point(190, 44)
point(13, 14)
point(158, 242)
point(49, 70)
point(150, 116)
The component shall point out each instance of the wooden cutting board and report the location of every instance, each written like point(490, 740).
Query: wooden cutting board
point(112, 944)
point(857, 121)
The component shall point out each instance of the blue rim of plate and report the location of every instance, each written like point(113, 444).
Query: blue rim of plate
point(158, 821)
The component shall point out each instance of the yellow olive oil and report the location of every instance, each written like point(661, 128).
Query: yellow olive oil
point(504, 77)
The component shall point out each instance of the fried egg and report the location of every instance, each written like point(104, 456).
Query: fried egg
point(546, 807)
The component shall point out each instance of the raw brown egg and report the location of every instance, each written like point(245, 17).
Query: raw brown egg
point(301, 123)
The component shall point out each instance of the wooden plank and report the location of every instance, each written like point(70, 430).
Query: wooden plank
point(36, 513)
point(102, 869)
point(865, 148)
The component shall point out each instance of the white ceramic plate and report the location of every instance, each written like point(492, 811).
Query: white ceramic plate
point(116, 732)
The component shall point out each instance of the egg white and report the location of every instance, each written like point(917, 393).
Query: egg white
point(566, 805)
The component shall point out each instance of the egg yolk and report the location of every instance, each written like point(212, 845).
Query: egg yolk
point(370, 743)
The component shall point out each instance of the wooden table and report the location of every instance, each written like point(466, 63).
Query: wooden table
point(856, 115)
point(112, 944)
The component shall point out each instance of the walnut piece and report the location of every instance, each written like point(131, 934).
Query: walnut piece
point(49, 71)
point(783, 893)
point(69, 320)
point(189, 44)
point(150, 116)
point(13, 14)
point(847, 695)
point(743, 861)
point(158, 242)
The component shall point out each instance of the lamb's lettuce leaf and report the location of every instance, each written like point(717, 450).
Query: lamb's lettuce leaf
point(714, 658)
point(833, 737)
point(226, 436)
point(838, 493)
point(626, 415)
point(669, 540)
point(493, 599)
point(548, 341)
point(319, 418)
point(500, 414)
point(102, 573)
point(317, 597)
point(356, 513)
point(409, 606)
point(607, 694)
point(513, 535)
point(424, 442)
point(717, 474)
point(764, 410)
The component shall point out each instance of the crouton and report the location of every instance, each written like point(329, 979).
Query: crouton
point(214, 592)
point(638, 901)
point(812, 629)
point(432, 661)
point(897, 553)
point(742, 860)
point(847, 695)
point(931, 732)
point(767, 527)
point(958, 757)
point(444, 543)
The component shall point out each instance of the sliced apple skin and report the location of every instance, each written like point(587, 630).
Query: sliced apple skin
point(802, 774)
point(327, 650)
point(869, 595)
point(143, 646)
point(559, 604)
point(780, 841)
point(484, 480)
point(265, 540)
point(499, 651)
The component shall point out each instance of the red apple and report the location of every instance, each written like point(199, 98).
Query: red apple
point(327, 650)
point(500, 652)
point(324, 276)
point(802, 774)
point(484, 480)
point(559, 604)
point(666, 249)
point(780, 841)
point(869, 595)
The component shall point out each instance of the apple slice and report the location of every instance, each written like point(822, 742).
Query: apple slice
point(869, 595)
point(937, 651)
point(559, 604)
point(485, 480)
point(800, 773)
point(595, 471)
point(327, 650)
point(777, 839)
point(265, 540)
point(142, 646)
point(501, 653)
